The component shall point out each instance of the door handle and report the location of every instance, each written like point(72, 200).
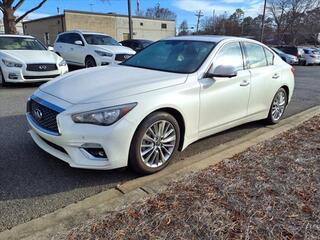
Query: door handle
point(275, 76)
point(244, 83)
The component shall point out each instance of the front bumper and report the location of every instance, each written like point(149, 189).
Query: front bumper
point(20, 75)
point(69, 144)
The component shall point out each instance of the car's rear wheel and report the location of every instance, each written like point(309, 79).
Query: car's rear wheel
point(154, 143)
point(90, 62)
point(278, 106)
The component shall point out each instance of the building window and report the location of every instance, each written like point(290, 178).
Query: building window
point(141, 24)
point(163, 25)
point(58, 21)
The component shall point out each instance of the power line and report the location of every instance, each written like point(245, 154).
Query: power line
point(198, 14)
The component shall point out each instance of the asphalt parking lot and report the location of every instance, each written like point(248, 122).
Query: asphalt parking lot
point(33, 183)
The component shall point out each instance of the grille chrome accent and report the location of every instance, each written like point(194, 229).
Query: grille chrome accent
point(43, 116)
point(122, 57)
point(41, 67)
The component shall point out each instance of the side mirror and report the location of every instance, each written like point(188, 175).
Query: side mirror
point(78, 42)
point(223, 71)
point(50, 48)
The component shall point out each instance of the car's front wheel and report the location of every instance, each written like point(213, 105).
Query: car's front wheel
point(278, 106)
point(3, 80)
point(90, 62)
point(154, 143)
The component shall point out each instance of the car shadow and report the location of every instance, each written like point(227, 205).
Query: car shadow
point(26, 171)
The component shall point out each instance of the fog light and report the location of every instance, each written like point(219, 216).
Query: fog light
point(96, 152)
point(13, 76)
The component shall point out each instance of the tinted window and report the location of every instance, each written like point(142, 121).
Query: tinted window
point(255, 55)
point(180, 56)
point(74, 37)
point(99, 39)
point(20, 43)
point(230, 54)
point(270, 56)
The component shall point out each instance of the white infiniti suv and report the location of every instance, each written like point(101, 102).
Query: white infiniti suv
point(89, 49)
point(25, 59)
point(170, 94)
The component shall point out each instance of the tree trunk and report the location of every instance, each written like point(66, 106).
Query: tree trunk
point(9, 21)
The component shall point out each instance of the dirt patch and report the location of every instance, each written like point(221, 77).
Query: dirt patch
point(270, 191)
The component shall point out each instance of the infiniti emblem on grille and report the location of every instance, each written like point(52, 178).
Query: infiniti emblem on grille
point(37, 114)
point(42, 67)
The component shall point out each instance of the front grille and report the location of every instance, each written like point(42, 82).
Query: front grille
point(41, 77)
point(43, 116)
point(41, 67)
point(122, 57)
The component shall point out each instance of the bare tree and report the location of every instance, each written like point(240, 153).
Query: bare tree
point(160, 13)
point(9, 7)
point(289, 17)
point(183, 28)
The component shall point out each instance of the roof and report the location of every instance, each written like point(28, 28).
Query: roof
point(95, 13)
point(15, 35)
point(84, 32)
point(206, 38)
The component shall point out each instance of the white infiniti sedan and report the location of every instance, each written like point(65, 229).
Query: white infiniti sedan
point(167, 96)
point(25, 59)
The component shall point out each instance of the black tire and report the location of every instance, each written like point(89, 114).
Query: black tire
point(90, 62)
point(135, 159)
point(4, 83)
point(271, 118)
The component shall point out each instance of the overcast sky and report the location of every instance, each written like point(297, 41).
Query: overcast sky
point(184, 9)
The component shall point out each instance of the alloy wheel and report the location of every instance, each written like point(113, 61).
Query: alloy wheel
point(158, 144)
point(278, 105)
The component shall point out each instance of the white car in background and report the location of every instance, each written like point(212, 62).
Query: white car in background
point(312, 56)
point(167, 96)
point(288, 58)
point(25, 59)
point(90, 49)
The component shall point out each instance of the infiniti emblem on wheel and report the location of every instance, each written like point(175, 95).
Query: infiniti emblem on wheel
point(42, 67)
point(37, 114)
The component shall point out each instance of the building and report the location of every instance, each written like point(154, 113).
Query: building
point(115, 25)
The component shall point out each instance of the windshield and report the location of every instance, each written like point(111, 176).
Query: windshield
point(179, 56)
point(99, 39)
point(20, 43)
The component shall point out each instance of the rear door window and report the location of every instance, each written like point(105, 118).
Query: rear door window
point(270, 56)
point(255, 55)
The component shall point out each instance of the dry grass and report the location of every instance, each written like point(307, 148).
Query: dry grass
point(271, 191)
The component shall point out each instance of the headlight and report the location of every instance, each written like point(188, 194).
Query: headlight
point(11, 64)
point(62, 63)
point(104, 116)
point(103, 54)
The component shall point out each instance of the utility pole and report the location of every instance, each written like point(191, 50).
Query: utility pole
point(262, 20)
point(130, 20)
point(198, 15)
point(91, 5)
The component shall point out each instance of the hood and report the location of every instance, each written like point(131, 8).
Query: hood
point(114, 49)
point(110, 82)
point(31, 56)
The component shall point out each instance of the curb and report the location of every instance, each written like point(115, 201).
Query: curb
point(62, 220)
